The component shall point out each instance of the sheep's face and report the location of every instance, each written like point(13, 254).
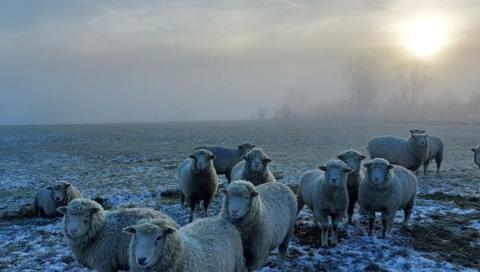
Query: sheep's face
point(419, 139)
point(239, 199)
point(150, 241)
point(336, 173)
point(256, 160)
point(58, 192)
point(202, 159)
point(245, 148)
point(378, 171)
point(78, 222)
point(352, 158)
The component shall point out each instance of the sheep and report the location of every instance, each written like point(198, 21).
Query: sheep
point(326, 195)
point(226, 158)
point(354, 160)
point(386, 188)
point(410, 153)
point(198, 180)
point(254, 168)
point(48, 199)
point(206, 245)
point(95, 235)
point(435, 150)
point(476, 155)
point(265, 216)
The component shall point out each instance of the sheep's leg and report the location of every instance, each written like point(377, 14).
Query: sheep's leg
point(371, 222)
point(425, 166)
point(351, 208)
point(324, 229)
point(407, 211)
point(182, 200)
point(228, 175)
point(283, 248)
point(438, 161)
point(336, 218)
point(300, 203)
point(387, 220)
point(192, 205)
point(205, 208)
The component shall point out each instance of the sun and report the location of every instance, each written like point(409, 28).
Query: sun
point(424, 37)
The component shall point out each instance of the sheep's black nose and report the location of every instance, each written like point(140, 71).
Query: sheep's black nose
point(141, 261)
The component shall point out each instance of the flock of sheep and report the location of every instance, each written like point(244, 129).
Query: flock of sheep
point(258, 214)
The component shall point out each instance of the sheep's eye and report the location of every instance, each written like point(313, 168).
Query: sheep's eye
point(247, 198)
point(85, 221)
point(158, 238)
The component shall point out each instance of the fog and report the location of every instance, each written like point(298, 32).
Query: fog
point(124, 61)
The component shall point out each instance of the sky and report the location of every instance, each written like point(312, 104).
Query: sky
point(150, 61)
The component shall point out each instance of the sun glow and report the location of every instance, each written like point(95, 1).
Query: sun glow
point(424, 37)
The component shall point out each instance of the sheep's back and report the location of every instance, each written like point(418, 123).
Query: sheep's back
point(407, 183)
point(308, 184)
point(225, 158)
point(391, 148)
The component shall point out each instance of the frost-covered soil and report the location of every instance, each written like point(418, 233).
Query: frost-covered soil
point(134, 165)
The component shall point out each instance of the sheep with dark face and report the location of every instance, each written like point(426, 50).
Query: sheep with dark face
point(386, 188)
point(226, 158)
point(254, 168)
point(435, 150)
point(325, 193)
point(48, 199)
point(410, 153)
point(95, 236)
point(265, 216)
point(206, 245)
point(198, 180)
point(476, 155)
point(353, 159)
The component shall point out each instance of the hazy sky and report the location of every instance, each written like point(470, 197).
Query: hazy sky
point(128, 61)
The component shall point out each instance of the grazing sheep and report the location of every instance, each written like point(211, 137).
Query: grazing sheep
point(476, 155)
point(254, 168)
point(386, 188)
point(435, 150)
point(95, 236)
point(354, 160)
point(48, 199)
point(206, 245)
point(198, 180)
point(326, 195)
point(226, 158)
point(265, 216)
point(410, 153)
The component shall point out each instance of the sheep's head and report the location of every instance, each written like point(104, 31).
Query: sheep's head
point(78, 216)
point(151, 240)
point(239, 196)
point(256, 160)
point(418, 131)
point(378, 171)
point(58, 191)
point(336, 172)
point(245, 147)
point(202, 159)
point(352, 158)
point(418, 139)
point(476, 155)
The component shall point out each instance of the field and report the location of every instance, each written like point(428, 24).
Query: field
point(134, 165)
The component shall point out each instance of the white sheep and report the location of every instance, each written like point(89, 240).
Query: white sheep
point(325, 193)
point(254, 168)
point(198, 180)
point(354, 160)
point(48, 199)
point(226, 158)
point(476, 155)
point(206, 245)
point(410, 153)
point(265, 216)
point(95, 236)
point(386, 188)
point(435, 150)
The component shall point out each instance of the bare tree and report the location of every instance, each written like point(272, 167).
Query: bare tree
point(261, 113)
point(364, 83)
point(412, 78)
point(284, 113)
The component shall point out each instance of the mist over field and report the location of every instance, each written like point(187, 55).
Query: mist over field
point(119, 61)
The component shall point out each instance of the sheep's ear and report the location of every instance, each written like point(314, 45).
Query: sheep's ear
point(267, 160)
point(390, 166)
point(253, 146)
point(67, 184)
point(367, 164)
point(48, 187)
point(62, 210)
point(340, 157)
point(129, 230)
point(212, 157)
point(170, 230)
point(191, 156)
point(244, 157)
point(254, 194)
point(224, 191)
point(240, 147)
point(473, 149)
point(412, 131)
point(362, 157)
point(323, 168)
point(347, 170)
